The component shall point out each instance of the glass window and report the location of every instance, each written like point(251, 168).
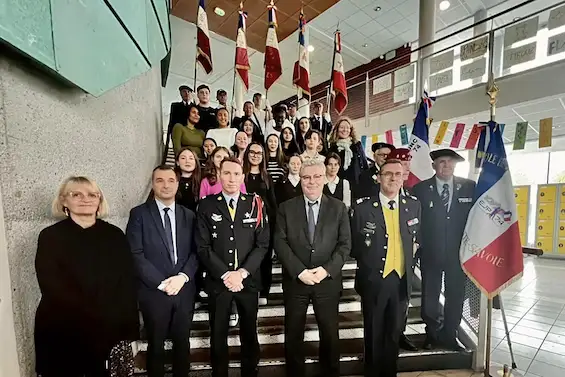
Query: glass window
point(557, 167)
point(528, 168)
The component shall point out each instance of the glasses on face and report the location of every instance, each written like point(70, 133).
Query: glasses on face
point(382, 155)
point(315, 177)
point(390, 174)
point(255, 153)
point(77, 195)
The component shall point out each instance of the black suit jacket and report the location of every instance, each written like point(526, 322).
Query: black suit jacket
point(442, 230)
point(368, 184)
point(325, 127)
point(332, 239)
point(219, 237)
point(178, 114)
point(370, 239)
point(146, 235)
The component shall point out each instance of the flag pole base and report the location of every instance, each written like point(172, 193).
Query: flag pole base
point(497, 370)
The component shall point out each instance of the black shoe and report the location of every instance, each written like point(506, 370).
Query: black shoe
point(406, 344)
point(430, 343)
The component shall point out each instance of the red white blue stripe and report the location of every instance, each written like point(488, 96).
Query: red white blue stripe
point(301, 74)
point(273, 64)
point(491, 251)
point(419, 145)
point(203, 49)
point(241, 56)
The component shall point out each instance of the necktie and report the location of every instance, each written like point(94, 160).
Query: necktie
point(391, 204)
point(231, 208)
point(311, 221)
point(169, 235)
point(445, 195)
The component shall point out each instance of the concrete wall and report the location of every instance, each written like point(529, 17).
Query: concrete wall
point(49, 131)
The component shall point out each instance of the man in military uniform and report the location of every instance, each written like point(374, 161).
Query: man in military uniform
point(233, 238)
point(384, 230)
point(446, 201)
point(368, 185)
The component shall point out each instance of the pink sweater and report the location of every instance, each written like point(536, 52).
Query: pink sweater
point(207, 189)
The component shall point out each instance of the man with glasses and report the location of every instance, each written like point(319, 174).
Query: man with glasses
point(446, 202)
point(384, 229)
point(368, 184)
point(312, 241)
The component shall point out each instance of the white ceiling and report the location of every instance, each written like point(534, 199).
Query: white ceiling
point(531, 112)
point(391, 27)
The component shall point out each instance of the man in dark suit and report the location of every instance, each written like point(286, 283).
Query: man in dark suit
point(233, 238)
point(368, 185)
point(384, 232)
point(179, 110)
point(293, 115)
point(321, 122)
point(312, 241)
point(446, 202)
point(161, 236)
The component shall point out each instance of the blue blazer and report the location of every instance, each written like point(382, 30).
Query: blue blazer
point(146, 235)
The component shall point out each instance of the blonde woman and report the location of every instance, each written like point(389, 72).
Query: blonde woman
point(86, 276)
point(344, 142)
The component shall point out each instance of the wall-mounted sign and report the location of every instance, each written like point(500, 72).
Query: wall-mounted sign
point(519, 55)
point(474, 69)
point(403, 75)
point(556, 18)
point(403, 92)
point(556, 44)
point(382, 84)
point(441, 62)
point(474, 49)
point(520, 31)
point(441, 80)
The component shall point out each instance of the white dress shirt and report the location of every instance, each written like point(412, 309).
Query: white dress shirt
point(346, 189)
point(315, 208)
point(172, 216)
point(385, 200)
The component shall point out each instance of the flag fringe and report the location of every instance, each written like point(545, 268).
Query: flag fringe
point(498, 290)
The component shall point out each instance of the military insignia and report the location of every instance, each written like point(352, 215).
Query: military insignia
point(369, 225)
point(413, 197)
point(214, 235)
point(431, 204)
point(465, 200)
point(248, 221)
point(431, 187)
point(458, 186)
point(361, 200)
point(247, 215)
point(220, 198)
point(215, 217)
point(243, 198)
point(374, 177)
point(403, 201)
point(405, 209)
point(368, 242)
point(375, 204)
point(351, 212)
point(414, 221)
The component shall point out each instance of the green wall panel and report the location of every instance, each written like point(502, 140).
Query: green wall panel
point(95, 44)
point(26, 24)
point(133, 15)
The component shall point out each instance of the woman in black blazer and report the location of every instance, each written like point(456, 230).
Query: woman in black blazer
point(344, 142)
point(87, 280)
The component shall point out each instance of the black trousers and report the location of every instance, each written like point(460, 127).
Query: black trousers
point(432, 274)
point(220, 305)
point(168, 317)
point(325, 300)
point(382, 318)
point(267, 264)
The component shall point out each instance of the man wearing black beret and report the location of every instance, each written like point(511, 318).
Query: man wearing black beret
point(368, 185)
point(446, 201)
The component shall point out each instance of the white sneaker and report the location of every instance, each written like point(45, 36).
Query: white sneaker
point(262, 301)
point(234, 319)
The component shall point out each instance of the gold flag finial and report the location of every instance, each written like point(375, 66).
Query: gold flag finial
point(492, 92)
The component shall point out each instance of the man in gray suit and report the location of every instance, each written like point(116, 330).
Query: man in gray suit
point(312, 241)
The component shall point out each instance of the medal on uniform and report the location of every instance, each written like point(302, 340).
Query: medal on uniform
point(214, 235)
point(367, 241)
point(431, 204)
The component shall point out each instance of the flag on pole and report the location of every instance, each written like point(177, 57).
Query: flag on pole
point(273, 65)
point(301, 74)
point(203, 49)
point(491, 250)
point(338, 85)
point(421, 165)
point(241, 57)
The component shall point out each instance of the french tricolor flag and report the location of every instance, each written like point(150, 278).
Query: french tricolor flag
point(491, 251)
point(204, 51)
point(421, 164)
point(241, 57)
point(338, 85)
point(273, 65)
point(301, 74)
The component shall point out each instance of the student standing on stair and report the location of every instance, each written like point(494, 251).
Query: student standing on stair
point(384, 230)
point(161, 237)
point(312, 241)
point(233, 238)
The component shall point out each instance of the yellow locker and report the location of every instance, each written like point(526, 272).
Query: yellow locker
point(522, 238)
point(561, 230)
point(522, 210)
point(561, 246)
point(545, 243)
point(522, 194)
point(545, 228)
point(547, 193)
point(546, 211)
point(562, 192)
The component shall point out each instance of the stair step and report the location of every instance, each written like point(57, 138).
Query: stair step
point(351, 351)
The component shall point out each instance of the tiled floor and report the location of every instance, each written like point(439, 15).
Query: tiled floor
point(535, 314)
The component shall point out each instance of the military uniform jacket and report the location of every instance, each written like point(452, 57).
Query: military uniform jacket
point(442, 230)
point(220, 239)
point(369, 240)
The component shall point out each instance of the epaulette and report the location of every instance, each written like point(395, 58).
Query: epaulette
point(412, 197)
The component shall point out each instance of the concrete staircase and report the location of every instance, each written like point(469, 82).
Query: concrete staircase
point(271, 337)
